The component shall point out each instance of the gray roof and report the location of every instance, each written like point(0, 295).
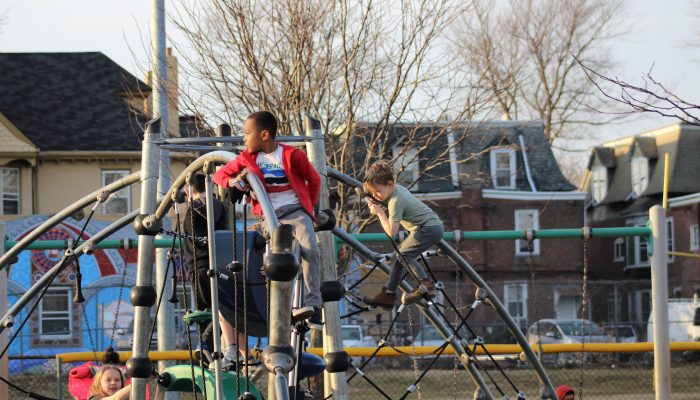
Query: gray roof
point(476, 138)
point(70, 101)
point(545, 171)
point(680, 141)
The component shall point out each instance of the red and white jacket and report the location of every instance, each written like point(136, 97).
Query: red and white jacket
point(303, 178)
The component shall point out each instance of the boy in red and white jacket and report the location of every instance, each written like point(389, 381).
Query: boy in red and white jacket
point(293, 186)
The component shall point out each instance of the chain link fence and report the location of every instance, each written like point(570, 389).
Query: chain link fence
point(619, 376)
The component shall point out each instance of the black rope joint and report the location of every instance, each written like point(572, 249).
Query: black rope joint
point(143, 296)
point(325, 220)
point(139, 367)
point(147, 225)
point(332, 291)
point(281, 267)
point(337, 361)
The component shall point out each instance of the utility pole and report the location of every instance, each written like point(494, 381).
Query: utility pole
point(159, 77)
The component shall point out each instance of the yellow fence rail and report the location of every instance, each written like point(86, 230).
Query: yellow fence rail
point(402, 351)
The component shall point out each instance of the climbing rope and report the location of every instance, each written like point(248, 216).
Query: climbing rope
point(584, 304)
point(119, 297)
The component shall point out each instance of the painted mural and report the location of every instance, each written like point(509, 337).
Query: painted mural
point(59, 325)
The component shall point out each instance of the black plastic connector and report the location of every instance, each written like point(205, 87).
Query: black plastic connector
point(143, 296)
point(281, 267)
point(338, 361)
point(332, 291)
point(139, 367)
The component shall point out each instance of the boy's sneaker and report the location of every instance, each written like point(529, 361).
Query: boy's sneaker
point(384, 299)
point(417, 294)
point(203, 352)
point(316, 319)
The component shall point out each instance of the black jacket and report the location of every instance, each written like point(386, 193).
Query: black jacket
point(196, 224)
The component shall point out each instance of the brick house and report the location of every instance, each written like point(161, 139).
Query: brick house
point(624, 178)
point(501, 175)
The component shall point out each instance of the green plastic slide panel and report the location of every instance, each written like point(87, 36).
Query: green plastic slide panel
point(196, 317)
point(178, 378)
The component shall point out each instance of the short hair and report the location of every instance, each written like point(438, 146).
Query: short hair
point(380, 172)
point(96, 387)
point(265, 121)
point(198, 183)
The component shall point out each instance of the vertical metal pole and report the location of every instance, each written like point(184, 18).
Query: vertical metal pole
point(659, 296)
point(159, 77)
point(59, 383)
point(335, 383)
point(144, 271)
point(214, 281)
point(4, 277)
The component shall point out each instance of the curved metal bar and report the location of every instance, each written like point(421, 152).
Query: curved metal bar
point(474, 276)
point(46, 278)
point(215, 156)
point(65, 213)
point(502, 312)
point(439, 323)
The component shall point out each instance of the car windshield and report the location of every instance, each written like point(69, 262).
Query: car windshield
point(573, 328)
point(351, 334)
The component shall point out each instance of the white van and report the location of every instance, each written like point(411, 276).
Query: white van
point(683, 321)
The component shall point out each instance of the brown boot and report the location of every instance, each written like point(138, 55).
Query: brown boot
point(383, 299)
point(417, 295)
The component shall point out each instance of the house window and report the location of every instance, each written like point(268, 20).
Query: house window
point(636, 247)
point(515, 301)
point(694, 237)
point(669, 239)
point(599, 184)
point(619, 250)
point(640, 175)
point(120, 202)
point(527, 220)
point(10, 191)
point(503, 168)
point(56, 313)
point(406, 164)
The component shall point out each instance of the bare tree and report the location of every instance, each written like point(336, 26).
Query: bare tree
point(650, 96)
point(527, 51)
point(365, 68)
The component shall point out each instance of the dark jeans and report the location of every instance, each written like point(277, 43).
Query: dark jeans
point(420, 240)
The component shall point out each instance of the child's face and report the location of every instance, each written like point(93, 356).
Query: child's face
point(569, 396)
point(254, 138)
point(379, 191)
point(111, 381)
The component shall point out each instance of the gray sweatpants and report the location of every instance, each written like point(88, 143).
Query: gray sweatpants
point(423, 238)
point(310, 255)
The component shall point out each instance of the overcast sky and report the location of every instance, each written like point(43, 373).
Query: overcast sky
point(119, 28)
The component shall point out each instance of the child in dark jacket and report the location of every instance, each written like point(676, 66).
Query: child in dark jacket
point(293, 186)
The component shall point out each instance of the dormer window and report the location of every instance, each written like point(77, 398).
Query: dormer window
point(503, 168)
point(640, 175)
point(599, 182)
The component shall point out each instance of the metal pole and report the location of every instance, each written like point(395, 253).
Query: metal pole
point(159, 77)
point(144, 271)
point(335, 383)
point(59, 381)
point(214, 281)
point(659, 297)
point(4, 277)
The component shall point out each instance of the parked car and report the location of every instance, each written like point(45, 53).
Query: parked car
point(353, 337)
point(566, 331)
point(623, 333)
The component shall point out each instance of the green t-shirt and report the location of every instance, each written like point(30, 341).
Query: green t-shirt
point(405, 208)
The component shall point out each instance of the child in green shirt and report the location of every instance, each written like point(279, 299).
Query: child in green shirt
point(404, 209)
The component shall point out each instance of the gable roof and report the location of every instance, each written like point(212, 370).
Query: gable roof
point(680, 141)
point(71, 101)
